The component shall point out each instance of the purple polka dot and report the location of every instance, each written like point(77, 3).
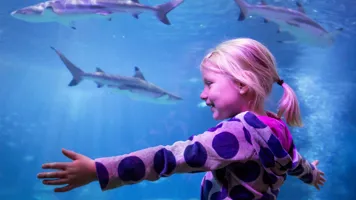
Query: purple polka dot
point(226, 145)
point(269, 179)
point(103, 175)
point(213, 129)
point(267, 196)
point(195, 155)
point(131, 168)
point(247, 135)
point(248, 171)
point(241, 193)
point(164, 162)
point(253, 121)
point(307, 178)
point(219, 195)
point(267, 157)
point(275, 145)
point(297, 171)
point(207, 186)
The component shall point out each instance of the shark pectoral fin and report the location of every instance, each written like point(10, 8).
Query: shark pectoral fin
point(265, 20)
point(99, 85)
point(300, 7)
point(135, 15)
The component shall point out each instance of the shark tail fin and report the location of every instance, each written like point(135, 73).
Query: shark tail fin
point(165, 8)
point(74, 70)
point(244, 6)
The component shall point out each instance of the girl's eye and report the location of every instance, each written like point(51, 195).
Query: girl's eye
point(208, 82)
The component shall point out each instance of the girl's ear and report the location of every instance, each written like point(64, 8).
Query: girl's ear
point(243, 89)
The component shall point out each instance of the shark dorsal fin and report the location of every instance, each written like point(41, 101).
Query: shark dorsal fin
point(300, 7)
point(100, 71)
point(138, 74)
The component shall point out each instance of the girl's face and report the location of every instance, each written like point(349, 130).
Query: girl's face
point(225, 97)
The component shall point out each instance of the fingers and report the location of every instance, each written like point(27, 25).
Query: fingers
point(57, 174)
point(317, 187)
point(55, 182)
point(322, 179)
point(64, 189)
point(55, 165)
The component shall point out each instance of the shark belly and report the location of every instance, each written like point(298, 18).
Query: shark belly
point(145, 96)
point(105, 81)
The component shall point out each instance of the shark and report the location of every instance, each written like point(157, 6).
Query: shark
point(296, 22)
point(136, 86)
point(66, 12)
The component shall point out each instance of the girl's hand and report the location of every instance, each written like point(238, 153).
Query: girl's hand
point(320, 180)
point(77, 173)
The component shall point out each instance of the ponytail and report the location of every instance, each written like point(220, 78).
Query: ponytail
point(288, 106)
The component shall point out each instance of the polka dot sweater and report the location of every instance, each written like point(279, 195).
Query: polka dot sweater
point(242, 157)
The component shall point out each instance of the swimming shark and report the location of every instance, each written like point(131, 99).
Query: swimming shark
point(296, 22)
point(66, 12)
point(136, 86)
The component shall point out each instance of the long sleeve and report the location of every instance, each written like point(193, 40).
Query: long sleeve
point(301, 168)
point(217, 147)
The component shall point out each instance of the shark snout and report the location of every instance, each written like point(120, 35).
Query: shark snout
point(13, 13)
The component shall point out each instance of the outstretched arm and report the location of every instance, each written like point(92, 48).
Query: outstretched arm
point(214, 149)
point(306, 171)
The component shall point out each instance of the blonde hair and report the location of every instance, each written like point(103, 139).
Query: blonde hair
point(249, 62)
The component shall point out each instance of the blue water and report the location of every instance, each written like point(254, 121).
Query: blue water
point(40, 114)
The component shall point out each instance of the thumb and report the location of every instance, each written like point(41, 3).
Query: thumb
point(70, 154)
point(315, 162)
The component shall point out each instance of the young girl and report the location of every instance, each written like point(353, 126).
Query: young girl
point(247, 156)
